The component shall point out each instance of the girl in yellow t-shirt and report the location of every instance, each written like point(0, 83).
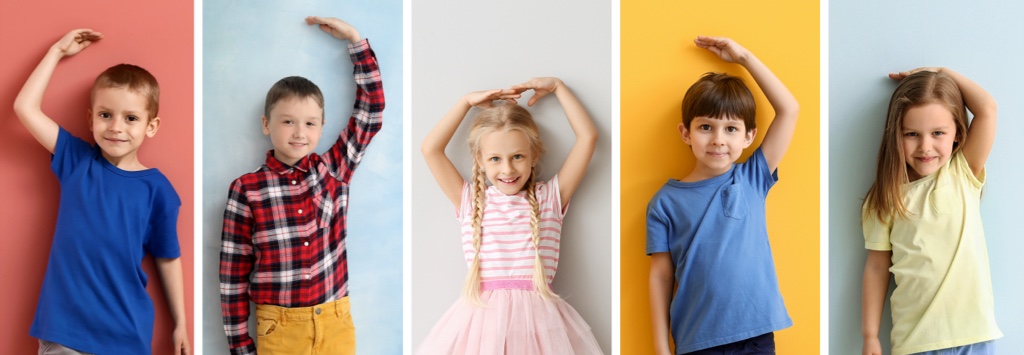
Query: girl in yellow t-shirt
point(922, 219)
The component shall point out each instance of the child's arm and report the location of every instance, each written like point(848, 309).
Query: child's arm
point(447, 176)
point(875, 286)
point(367, 115)
point(661, 282)
point(237, 260)
point(982, 131)
point(28, 105)
point(575, 166)
point(780, 132)
point(170, 274)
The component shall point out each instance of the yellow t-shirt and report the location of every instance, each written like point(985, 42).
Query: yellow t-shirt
point(943, 295)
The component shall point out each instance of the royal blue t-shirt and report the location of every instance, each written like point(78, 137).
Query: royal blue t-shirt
point(716, 234)
point(94, 294)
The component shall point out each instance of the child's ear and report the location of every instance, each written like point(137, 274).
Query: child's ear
point(266, 127)
point(684, 132)
point(152, 127)
point(749, 138)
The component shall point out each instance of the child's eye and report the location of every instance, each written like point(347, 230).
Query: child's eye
point(910, 134)
point(132, 118)
point(493, 159)
point(731, 129)
point(311, 124)
point(705, 127)
point(287, 122)
point(517, 156)
point(104, 114)
point(938, 133)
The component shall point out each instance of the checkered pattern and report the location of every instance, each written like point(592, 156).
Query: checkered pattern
point(283, 241)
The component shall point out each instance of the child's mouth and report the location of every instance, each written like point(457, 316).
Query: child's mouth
point(926, 159)
point(509, 180)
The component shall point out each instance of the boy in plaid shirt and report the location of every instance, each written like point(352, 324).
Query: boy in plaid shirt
point(283, 241)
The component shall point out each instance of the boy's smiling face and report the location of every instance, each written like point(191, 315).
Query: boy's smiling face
point(120, 122)
point(294, 126)
point(716, 143)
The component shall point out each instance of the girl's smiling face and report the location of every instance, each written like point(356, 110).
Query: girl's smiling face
point(927, 138)
point(507, 159)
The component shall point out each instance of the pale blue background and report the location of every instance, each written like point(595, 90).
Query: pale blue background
point(247, 46)
point(867, 40)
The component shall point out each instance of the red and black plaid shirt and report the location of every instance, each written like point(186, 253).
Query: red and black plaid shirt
point(283, 241)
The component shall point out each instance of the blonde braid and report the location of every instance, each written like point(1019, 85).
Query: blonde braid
point(471, 289)
point(540, 280)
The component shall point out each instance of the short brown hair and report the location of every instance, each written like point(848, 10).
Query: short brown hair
point(292, 86)
point(719, 95)
point(134, 79)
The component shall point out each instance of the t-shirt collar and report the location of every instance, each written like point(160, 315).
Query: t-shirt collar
point(281, 168)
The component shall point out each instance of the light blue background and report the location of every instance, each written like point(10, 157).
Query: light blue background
point(982, 40)
point(247, 46)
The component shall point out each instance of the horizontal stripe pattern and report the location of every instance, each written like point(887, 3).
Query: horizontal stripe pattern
point(507, 251)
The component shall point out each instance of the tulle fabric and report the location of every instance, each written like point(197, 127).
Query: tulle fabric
point(512, 321)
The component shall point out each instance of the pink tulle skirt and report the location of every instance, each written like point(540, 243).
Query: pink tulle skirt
point(512, 321)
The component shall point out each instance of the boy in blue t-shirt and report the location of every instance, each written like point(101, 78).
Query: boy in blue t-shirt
point(113, 211)
point(707, 231)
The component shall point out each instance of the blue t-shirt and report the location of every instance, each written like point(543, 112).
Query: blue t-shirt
point(716, 235)
point(94, 294)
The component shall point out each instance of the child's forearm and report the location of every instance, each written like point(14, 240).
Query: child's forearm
point(575, 167)
point(433, 146)
point(28, 104)
point(780, 131)
point(979, 101)
point(875, 286)
point(173, 282)
point(660, 284)
point(982, 131)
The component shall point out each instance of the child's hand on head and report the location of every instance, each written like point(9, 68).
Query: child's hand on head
point(76, 40)
point(540, 86)
point(486, 98)
point(903, 74)
point(335, 27)
point(725, 48)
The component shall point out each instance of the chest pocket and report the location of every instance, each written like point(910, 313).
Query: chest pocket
point(733, 204)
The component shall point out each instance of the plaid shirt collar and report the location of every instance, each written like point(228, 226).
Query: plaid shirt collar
point(284, 169)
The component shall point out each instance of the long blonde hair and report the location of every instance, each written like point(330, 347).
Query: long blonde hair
point(507, 117)
point(885, 198)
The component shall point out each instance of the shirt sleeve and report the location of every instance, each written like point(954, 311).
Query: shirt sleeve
point(162, 241)
point(68, 153)
point(876, 232)
point(963, 169)
point(367, 115)
point(236, 265)
point(755, 171)
point(657, 228)
point(466, 202)
point(553, 197)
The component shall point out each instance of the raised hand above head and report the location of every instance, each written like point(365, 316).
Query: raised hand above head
point(76, 40)
point(335, 27)
point(725, 48)
point(486, 98)
point(541, 87)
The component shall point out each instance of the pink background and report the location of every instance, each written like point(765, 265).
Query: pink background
point(156, 35)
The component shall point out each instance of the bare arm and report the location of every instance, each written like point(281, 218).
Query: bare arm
point(433, 145)
point(662, 280)
point(575, 166)
point(780, 131)
point(28, 104)
point(170, 274)
point(874, 288)
point(982, 132)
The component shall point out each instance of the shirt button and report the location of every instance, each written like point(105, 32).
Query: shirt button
point(306, 244)
point(293, 182)
point(318, 311)
point(300, 211)
point(307, 277)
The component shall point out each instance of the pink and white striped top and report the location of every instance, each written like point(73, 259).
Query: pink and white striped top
point(506, 250)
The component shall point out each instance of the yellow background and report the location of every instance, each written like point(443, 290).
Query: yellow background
point(659, 62)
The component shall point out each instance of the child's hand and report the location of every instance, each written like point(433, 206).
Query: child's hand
point(726, 49)
point(180, 339)
point(871, 347)
point(335, 27)
point(540, 86)
point(486, 98)
point(904, 74)
point(75, 41)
